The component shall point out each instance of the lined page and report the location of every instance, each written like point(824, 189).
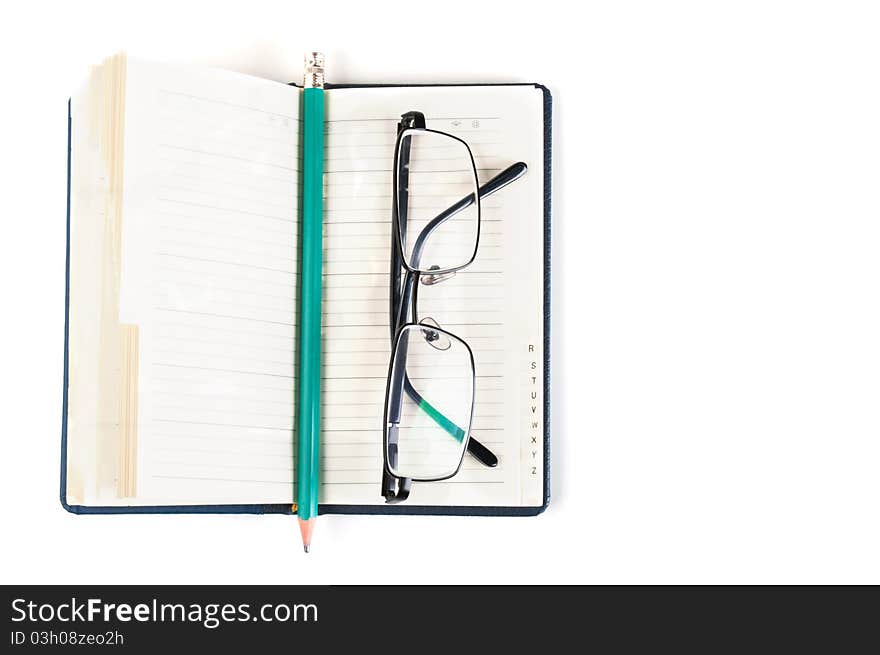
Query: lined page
point(495, 304)
point(209, 276)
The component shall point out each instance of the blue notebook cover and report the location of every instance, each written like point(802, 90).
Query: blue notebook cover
point(436, 510)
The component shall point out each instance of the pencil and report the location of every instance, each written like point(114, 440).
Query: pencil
point(309, 422)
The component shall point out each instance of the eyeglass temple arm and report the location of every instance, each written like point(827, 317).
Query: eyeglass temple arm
point(475, 448)
point(396, 490)
point(505, 177)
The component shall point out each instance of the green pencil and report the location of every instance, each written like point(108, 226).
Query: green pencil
point(308, 466)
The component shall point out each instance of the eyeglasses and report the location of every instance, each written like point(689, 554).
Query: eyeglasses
point(429, 397)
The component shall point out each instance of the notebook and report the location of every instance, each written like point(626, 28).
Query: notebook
point(180, 330)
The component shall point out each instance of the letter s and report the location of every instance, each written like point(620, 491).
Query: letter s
point(22, 614)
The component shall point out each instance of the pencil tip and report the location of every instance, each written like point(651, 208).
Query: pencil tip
point(305, 527)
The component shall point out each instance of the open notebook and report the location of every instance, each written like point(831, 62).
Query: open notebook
point(181, 339)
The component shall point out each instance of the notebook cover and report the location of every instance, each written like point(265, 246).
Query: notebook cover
point(436, 510)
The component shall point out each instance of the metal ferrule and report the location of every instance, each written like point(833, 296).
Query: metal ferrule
point(314, 71)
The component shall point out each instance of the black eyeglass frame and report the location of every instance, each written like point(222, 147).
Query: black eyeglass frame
point(404, 297)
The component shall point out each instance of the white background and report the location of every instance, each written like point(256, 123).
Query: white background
point(716, 259)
